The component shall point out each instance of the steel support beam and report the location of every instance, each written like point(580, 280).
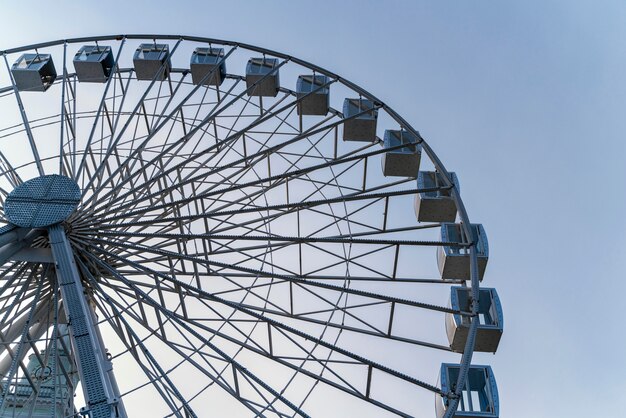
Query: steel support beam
point(95, 370)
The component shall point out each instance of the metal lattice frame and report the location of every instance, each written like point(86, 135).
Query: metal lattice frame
point(234, 253)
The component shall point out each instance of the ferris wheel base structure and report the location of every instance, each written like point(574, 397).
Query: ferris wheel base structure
point(126, 212)
point(46, 202)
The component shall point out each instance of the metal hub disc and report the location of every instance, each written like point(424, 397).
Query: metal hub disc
point(42, 201)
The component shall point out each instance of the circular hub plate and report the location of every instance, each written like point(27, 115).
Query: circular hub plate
point(42, 201)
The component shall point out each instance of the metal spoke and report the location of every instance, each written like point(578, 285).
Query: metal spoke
point(351, 390)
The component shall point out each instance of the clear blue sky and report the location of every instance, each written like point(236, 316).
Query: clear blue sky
point(524, 100)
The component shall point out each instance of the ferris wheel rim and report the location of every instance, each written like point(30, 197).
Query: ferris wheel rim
point(466, 359)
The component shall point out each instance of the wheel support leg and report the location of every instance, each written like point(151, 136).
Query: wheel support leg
point(95, 370)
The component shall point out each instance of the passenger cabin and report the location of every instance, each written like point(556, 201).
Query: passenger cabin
point(93, 63)
point(152, 61)
point(262, 77)
point(490, 317)
point(454, 260)
point(402, 158)
point(208, 66)
point(312, 92)
point(359, 120)
point(479, 398)
point(435, 205)
point(34, 72)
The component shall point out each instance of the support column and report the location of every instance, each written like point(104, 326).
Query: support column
point(95, 370)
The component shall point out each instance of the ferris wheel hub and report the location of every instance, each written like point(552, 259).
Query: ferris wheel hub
point(42, 201)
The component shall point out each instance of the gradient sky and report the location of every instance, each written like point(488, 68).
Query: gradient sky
point(523, 100)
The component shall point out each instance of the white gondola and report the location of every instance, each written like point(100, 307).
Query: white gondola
point(435, 205)
point(490, 317)
point(403, 161)
point(152, 61)
point(313, 92)
point(262, 77)
point(363, 126)
point(454, 260)
point(34, 72)
point(93, 63)
point(208, 66)
point(479, 398)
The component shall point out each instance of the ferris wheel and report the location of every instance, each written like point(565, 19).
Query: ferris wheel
point(195, 227)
